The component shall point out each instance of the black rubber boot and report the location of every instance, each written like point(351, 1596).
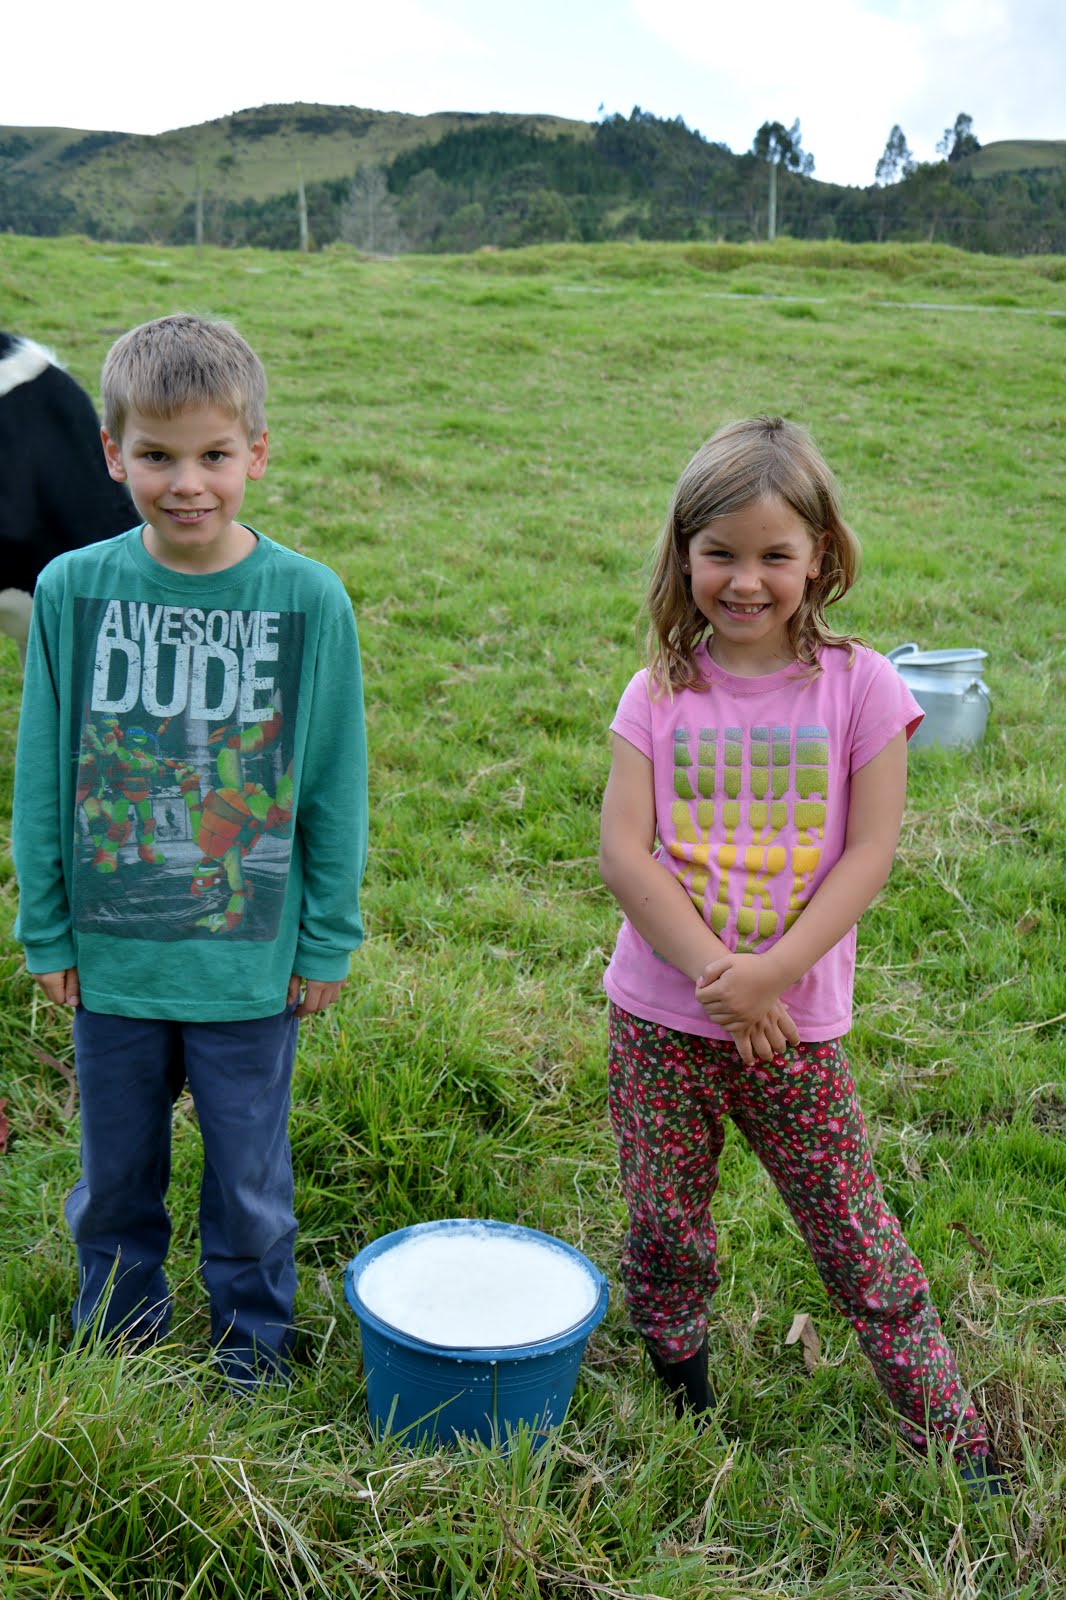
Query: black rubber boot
point(686, 1380)
point(982, 1477)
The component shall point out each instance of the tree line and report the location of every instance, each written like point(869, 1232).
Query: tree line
point(645, 177)
point(636, 177)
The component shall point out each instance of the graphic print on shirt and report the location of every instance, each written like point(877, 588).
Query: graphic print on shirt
point(747, 788)
point(183, 746)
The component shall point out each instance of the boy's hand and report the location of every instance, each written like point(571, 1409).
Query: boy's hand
point(316, 995)
point(61, 988)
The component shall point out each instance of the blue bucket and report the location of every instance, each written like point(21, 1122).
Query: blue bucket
point(431, 1393)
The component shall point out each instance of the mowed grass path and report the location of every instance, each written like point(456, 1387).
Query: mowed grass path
point(484, 448)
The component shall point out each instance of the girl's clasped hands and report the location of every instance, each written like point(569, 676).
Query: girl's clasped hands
point(742, 994)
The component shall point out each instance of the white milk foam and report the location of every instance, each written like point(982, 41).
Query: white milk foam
point(477, 1289)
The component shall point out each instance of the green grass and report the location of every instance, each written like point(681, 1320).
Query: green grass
point(484, 447)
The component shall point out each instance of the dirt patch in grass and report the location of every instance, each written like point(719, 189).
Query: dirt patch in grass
point(1047, 1113)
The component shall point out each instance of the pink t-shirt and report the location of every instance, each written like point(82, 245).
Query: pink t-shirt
point(751, 805)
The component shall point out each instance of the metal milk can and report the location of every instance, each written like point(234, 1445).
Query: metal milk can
point(948, 686)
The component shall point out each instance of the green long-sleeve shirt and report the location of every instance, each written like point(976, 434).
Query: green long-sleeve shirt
point(190, 820)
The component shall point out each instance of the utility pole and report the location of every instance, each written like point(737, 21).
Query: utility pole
point(301, 202)
point(771, 210)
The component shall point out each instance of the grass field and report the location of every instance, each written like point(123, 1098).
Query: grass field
point(483, 447)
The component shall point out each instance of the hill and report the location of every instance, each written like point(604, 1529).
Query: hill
point(140, 186)
point(454, 181)
point(1017, 156)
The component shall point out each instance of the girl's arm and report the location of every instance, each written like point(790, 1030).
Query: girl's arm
point(657, 903)
point(734, 988)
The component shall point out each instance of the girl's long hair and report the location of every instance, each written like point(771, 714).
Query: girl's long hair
point(741, 463)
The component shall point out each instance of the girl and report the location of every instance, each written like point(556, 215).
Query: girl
point(767, 756)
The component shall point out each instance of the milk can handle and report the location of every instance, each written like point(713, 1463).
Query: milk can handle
point(901, 652)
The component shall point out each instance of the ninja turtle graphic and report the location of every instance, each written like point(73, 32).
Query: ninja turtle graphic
point(118, 771)
point(229, 820)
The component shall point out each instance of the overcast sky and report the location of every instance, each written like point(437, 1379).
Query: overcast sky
point(848, 69)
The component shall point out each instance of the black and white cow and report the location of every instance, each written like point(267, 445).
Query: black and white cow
point(55, 492)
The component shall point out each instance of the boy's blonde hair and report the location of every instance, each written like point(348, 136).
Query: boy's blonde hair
point(741, 463)
point(165, 367)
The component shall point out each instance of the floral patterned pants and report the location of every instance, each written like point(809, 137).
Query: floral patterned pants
point(668, 1094)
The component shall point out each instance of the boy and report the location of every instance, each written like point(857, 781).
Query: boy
point(189, 838)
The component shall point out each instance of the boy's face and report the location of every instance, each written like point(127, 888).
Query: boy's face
point(187, 476)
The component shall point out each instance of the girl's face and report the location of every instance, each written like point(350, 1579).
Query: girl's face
point(749, 572)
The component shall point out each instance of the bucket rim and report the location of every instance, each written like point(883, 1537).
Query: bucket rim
point(963, 655)
point(476, 1352)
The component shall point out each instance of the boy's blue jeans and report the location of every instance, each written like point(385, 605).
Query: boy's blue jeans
point(130, 1073)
